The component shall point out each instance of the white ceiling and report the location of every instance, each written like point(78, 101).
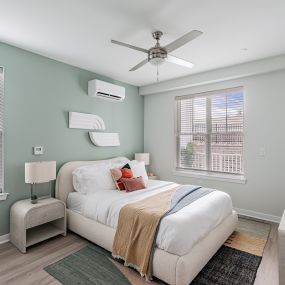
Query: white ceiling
point(78, 32)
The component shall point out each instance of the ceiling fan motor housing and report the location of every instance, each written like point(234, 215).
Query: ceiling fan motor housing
point(157, 55)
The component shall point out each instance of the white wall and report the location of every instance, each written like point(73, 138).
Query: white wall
point(264, 191)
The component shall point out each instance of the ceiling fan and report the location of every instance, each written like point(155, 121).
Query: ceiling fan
point(157, 55)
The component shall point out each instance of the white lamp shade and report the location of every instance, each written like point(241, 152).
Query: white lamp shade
point(142, 157)
point(40, 172)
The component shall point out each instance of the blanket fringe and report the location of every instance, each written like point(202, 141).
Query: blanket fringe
point(137, 268)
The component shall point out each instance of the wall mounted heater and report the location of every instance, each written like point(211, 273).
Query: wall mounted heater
point(104, 90)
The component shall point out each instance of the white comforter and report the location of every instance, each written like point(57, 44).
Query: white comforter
point(177, 233)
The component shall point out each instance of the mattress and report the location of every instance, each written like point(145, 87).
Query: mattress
point(178, 232)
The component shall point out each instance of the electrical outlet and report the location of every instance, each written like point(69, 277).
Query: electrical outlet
point(38, 150)
point(262, 151)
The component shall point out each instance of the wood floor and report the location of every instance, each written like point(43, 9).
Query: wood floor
point(27, 269)
point(267, 273)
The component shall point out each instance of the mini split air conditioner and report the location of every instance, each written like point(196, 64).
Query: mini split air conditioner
point(104, 90)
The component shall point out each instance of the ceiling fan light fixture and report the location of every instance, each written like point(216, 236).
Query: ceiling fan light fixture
point(157, 61)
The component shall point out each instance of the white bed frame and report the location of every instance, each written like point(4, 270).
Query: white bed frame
point(171, 268)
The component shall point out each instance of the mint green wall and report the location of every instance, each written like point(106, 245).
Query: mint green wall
point(39, 92)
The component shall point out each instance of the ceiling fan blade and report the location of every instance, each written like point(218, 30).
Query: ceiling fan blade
point(183, 40)
point(179, 61)
point(129, 46)
point(145, 61)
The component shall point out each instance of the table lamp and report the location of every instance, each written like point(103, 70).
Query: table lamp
point(143, 157)
point(39, 172)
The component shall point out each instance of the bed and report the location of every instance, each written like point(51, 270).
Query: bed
point(177, 259)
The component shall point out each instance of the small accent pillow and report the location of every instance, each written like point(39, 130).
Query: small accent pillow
point(121, 173)
point(133, 184)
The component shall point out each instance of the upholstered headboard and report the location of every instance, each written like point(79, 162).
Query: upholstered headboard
point(64, 178)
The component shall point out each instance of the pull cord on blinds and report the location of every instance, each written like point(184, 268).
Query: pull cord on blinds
point(1, 99)
point(1, 130)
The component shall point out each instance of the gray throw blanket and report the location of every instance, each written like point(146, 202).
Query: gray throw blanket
point(186, 195)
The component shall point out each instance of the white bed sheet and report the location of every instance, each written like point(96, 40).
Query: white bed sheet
point(178, 232)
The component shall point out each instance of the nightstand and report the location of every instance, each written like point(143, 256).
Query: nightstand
point(33, 223)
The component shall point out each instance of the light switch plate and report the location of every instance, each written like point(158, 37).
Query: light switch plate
point(262, 151)
point(38, 150)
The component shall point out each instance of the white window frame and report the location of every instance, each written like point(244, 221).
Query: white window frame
point(205, 174)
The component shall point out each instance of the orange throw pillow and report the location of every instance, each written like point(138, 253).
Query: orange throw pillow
point(127, 173)
point(121, 173)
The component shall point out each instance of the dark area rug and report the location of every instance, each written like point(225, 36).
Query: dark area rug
point(236, 262)
point(229, 267)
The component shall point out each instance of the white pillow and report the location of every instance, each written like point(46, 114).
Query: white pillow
point(138, 169)
point(119, 164)
point(89, 179)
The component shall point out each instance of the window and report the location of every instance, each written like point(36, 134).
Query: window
point(210, 131)
point(1, 130)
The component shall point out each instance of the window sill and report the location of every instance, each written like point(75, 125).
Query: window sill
point(211, 176)
point(3, 196)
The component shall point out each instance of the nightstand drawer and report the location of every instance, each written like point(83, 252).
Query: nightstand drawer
point(41, 215)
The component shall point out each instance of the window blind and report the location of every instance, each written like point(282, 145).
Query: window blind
point(210, 131)
point(1, 129)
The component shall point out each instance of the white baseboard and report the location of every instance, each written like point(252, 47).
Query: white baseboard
point(4, 238)
point(258, 215)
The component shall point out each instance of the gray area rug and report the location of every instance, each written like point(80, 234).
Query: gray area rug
point(87, 266)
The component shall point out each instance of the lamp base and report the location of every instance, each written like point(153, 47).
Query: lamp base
point(34, 199)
